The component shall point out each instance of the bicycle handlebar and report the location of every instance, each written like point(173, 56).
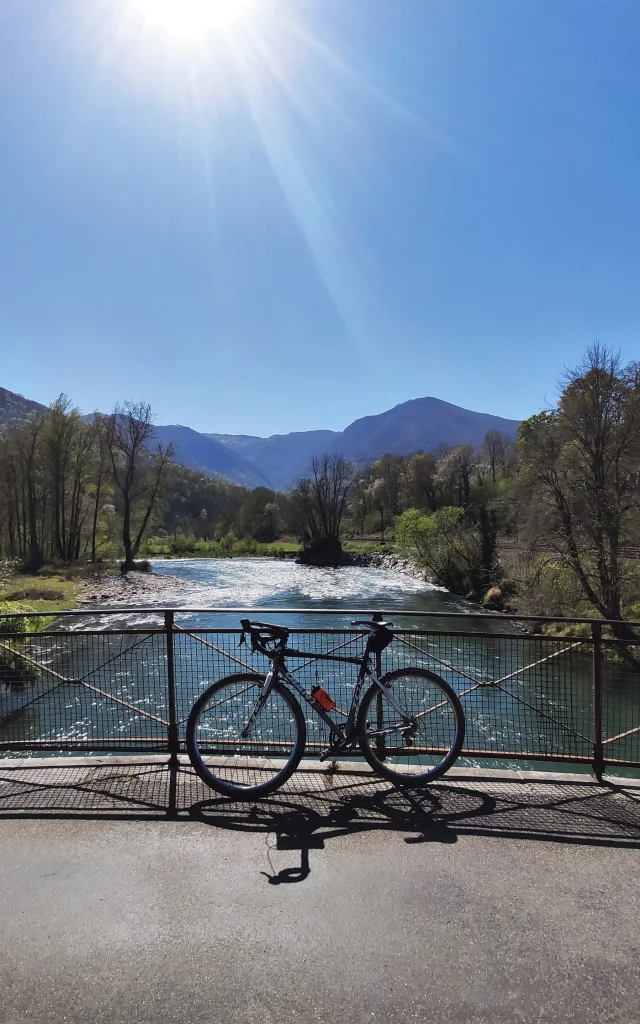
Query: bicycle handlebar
point(264, 633)
point(247, 625)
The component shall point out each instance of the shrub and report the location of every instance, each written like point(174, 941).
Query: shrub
point(21, 624)
point(15, 670)
point(34, 594)
point(142, 566)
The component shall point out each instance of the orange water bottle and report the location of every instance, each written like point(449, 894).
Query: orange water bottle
point(322, 698)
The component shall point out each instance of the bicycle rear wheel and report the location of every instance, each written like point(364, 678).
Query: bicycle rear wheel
point(249, 768)
point(423, 751)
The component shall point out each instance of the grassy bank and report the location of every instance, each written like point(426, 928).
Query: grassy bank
point(198, 547)
point(231, 546)
point(45, 594)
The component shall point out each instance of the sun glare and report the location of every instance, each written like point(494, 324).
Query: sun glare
point(191, 19)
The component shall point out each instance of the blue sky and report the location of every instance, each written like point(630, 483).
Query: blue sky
point(318, 210)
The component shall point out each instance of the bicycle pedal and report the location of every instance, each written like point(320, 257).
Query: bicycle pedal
point(326, 754)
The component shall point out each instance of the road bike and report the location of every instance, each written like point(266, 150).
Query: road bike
point(246, 733)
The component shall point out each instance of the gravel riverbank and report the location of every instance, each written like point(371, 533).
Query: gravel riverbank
point(131, 589)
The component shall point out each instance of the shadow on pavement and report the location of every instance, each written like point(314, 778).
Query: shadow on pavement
point(320, 806)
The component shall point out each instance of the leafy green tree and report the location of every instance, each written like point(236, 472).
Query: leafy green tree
point(259, 515)
point(451, 550)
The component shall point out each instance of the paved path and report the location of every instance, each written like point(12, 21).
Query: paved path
point(481, 902)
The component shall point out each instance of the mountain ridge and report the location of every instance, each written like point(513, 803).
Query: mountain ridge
point(278, 461)
point(419, 424)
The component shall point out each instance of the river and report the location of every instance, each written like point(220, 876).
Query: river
point(281, 583)
point(542, 709)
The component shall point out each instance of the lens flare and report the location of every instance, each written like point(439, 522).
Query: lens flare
point(191, 19)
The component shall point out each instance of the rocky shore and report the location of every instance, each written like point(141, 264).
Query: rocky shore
point(388, 562)
point(132, 589)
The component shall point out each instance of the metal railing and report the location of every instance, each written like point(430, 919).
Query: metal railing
point(81, 686)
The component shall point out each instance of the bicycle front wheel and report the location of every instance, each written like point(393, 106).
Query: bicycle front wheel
point(420, 744)
point(251, 767)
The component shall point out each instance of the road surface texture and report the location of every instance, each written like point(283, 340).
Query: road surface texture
point(488, 899)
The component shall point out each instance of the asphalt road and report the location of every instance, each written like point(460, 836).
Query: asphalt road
point(129, 922)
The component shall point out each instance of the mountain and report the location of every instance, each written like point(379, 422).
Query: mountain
point(283, 458)
point(206, 455)
point(421, 424)
point(15, 409)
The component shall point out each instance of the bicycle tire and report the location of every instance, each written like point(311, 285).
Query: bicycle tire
point(218, 732)
point(451, 721)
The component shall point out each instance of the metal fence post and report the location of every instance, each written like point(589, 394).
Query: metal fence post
point(380, 740)
point(598, 750)
point(173, 743)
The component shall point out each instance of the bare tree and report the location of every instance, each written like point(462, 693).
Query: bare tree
point(102, 454)
point(319, 500)
point(137, 471)
point(493, 448)
point(419, 479)
point(33, 493)
point(580, 476)
point(454, 473)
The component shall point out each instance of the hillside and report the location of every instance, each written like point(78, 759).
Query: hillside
point(194, 450)
point(283, 458)
point(15, 409)
point(206, 455)
point(418, 425)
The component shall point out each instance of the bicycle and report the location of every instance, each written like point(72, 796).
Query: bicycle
point(409, 725)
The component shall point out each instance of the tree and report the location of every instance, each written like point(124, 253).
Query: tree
point(452, 550)
point(580, 476)
point(493, 448)
point(419, 476)
point(67, 465)
point(454, 473)
point(388, 470)
point(259, 515)
point(137, 472)
point(319, 501)
point(100, 430)
point(33, 494)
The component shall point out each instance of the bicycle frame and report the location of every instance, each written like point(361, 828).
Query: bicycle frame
point(279, 671)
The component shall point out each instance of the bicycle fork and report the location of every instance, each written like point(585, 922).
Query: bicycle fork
point(263, 696)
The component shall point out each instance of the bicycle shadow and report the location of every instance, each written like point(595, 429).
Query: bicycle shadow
point(305, 821)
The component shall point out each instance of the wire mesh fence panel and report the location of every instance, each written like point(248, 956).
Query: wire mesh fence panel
point(83, 691)
point(522, 695)
point(620, 704)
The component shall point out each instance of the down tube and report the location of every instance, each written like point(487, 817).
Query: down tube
point(320, 712)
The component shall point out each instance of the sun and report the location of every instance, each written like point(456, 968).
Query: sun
point(190, 20)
